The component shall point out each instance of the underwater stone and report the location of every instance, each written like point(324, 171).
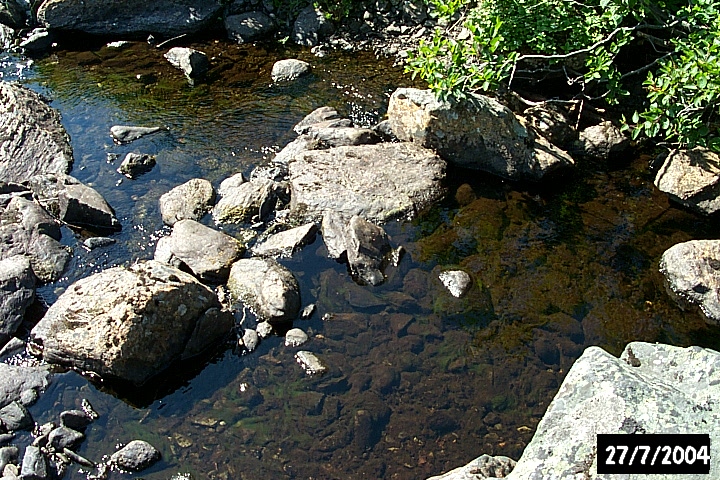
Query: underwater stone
point(311, 363)
point(135, 456)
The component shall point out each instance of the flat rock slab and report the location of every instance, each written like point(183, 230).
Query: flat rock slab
point(651, 388)
point(286, 243)
point(692, 276)
point(132, 323)
point(22, 384)
point(692, 178)
point(32, 138)
point(206, 252)
point(378, 182)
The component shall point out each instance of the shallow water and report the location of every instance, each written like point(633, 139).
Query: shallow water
point(419, 382)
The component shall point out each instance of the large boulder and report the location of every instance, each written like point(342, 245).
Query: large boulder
point(692, 276)
point(311, 27)
point(129, 17)
point(248, 27)
point(478, 133)
point(377, 182)
point(692, 178)
point(191, 201)
point(132, 323)
point(12, 13)
point(651, 388)
point(17, 292)
point(267, 288)
point(205, 252)
point(32, 138)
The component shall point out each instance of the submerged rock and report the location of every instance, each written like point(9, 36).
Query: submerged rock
point(310, 363)
point(651, 388)
point(267, 288)
point(692, 276)
point(135, 456)
point(477, 133)
point(127, 134)
point(457, 282)
point(135, 164)
point(692, 178)
point(206, 252)
point(189, 201)
point(289, 70)
point(132, 323)
point(17, 292)
point(32, 138)
point(377, 182)
point(161, 17)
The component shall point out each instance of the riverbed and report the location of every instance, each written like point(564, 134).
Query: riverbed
point(419, 382)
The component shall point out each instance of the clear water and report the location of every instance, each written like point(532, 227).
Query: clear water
point(419, 382)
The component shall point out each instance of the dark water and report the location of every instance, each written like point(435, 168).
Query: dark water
point(419, 382)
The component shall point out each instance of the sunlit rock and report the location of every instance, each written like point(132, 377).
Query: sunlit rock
point(310, 363)
point(127, 133)
point(289, 70)
point(311, 27)
point(295, 337)
point(189, 201)
point(604, 141)
point(135, 164)
point(247, 200)
point(483, 467)
point(193, 63)
point(692, 178)
point(135, 456)
point(457, 282)
point(285, 243)
point(22, 384)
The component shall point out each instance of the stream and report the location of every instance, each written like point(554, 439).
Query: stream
point(419, 382)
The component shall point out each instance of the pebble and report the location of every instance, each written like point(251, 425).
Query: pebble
point(308, 311)
point(135, 456)
point(250, 339)
point(295, 337)
point(264, 329)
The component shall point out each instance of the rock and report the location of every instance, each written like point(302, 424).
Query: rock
point(13, 15)
point(82, 206)
point(295, 337)
point(301, 144)
point(311, 27)
point(135, 456)
point(286, 243)
point(365, 246)
point(603, 142)
point(319, 115)
point(165, 18)
point(692, 276)
point(32, 138)
point(135, 164)
point(308, 311)
point(670, 390)
point(22, 384)
point(483, 467)
point(127, 134)
point(414, 11)
point(692, 178)
point(310, 363)
point(7, 38)
point(477, 133)
point(39, 40)
point(248, 27)
point(17, 292)
point(264, 329)
point(230, 183)
point(241, 203)
point(15, 417)
point(189, 201)
point(193, 63)
point(75, 419)
point(97, 242)
point(64, 437)
point(205, 252)
point(267, 288)
point(8, 455)
point(384, 131)
point(456, 281)
point(288, 70)
point(132, 323)
point(378, 182)
point(329, 137)
point(552, 123)
point(34, 465)
point(275, 171)
point(250, 339)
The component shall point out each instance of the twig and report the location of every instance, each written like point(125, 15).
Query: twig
point(160, 45)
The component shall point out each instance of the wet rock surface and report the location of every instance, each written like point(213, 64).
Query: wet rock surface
point(483, 467)
point(284, 244)
point(377, 182)
point(33, 138)
point(135, 164)
point(22, 384)
point(479, 133)
point(692, 178)
point(128, 133)
point(193, 63)
point(132, 323)
point(17, 292)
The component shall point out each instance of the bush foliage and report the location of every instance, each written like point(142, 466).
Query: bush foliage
point(601, 48)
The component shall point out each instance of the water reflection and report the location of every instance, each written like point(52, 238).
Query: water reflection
point(419, 382)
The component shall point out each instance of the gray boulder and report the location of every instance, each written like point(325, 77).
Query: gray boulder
point(135, 456)
point(289, 69)
point(128, 133)
point(193, 63)
point(482, 468)
point(651, 388)
point(604, 141)
point(377, 182)
point(132, 323)
point(230, 183)
point(477, 133)
point(12, 14)
point(301, 144)
point(189, 201)
point(365, 246)
point(319, 115)
point(311, 27)
point(127, 17)
point(267, 288)
point(7, 37)
point(205, 252)
point(135, 164)
point(240, 204)
point(692, 178)
point(34, 464)
point(692, 276)
point(32, 138)
point(17, 292)
point(22, 384)
point(14, 416)
point(248, 27)
point(286, 243)
point(329, 137)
